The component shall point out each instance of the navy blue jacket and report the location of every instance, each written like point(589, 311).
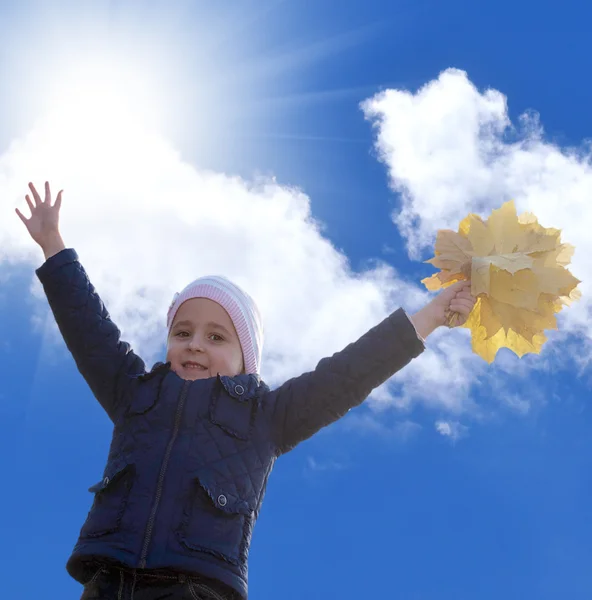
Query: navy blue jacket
point(189, 460)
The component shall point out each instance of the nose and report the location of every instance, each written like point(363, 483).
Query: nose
point(195, 344)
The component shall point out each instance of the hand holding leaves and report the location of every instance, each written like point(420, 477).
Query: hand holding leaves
point(456, 299)
point(518, 270)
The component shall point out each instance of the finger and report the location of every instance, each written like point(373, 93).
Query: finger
point(35, 194)
point(450, 291)
point(31, 207)
point(459, 285)
point(465, 295)
point(461, 314)
point(462, 302)
point(457, 320)
point(47, 193)
point(58, 202)
point(21, 216)
point(452, 319)
point(462, 306)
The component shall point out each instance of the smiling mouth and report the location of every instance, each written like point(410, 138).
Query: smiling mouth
point(193, 366)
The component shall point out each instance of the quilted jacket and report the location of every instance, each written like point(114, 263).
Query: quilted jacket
point(189, 460)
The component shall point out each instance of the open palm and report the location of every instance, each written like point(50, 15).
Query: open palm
point(45, 216)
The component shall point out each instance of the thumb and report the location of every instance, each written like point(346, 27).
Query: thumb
point(21, 216)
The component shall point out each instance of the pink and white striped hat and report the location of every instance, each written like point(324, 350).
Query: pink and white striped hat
point(241, 308)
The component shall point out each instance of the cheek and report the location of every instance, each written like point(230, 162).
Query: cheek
point(238, 362)
point(172, 347)
point(232, 358)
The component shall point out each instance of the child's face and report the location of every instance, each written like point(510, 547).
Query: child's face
point(203, 342)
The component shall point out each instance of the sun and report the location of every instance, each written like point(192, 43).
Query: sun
point(100, 75)
point(96, 97)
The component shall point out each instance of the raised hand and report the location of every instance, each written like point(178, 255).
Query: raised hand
point(43, 224)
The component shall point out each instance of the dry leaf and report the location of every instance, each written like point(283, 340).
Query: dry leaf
point(518, 273)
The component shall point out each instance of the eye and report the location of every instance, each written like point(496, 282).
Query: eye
point(181, 333)
point(216, 338)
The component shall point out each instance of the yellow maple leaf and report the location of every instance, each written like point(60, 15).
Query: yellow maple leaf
point(518, 273)
point(505, 229)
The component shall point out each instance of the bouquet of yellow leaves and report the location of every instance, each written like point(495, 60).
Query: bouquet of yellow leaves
point(518, 274)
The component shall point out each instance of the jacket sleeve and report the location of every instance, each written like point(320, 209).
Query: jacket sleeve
point(88, 331)
point(305, 404)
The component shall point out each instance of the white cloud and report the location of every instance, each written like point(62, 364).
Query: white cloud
point(518, 403)
point(451, 149)
point(452, 429)
point(322, 466)
point(377, 424)
point(445, 374)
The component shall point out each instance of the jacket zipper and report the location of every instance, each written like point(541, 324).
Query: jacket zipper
point(163, 469)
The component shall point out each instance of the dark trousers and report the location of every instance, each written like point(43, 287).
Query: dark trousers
point(114, 583)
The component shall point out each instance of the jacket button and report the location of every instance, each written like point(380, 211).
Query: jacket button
point(106, 481)
point(239, 390)
point(222, 500)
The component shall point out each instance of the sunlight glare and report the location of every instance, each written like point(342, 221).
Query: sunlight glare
point(99, 99)
point(103, 115)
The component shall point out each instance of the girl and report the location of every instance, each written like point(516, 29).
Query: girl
point(195, 438)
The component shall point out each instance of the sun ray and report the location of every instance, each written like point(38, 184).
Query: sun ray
point(199, 74)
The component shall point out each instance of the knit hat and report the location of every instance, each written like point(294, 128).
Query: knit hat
point(240, 307)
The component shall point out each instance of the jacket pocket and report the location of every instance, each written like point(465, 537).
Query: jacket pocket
point(233, 406)
point(217, 521)
point(111, 496)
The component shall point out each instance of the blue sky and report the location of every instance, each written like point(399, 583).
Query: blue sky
point(253, 139)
